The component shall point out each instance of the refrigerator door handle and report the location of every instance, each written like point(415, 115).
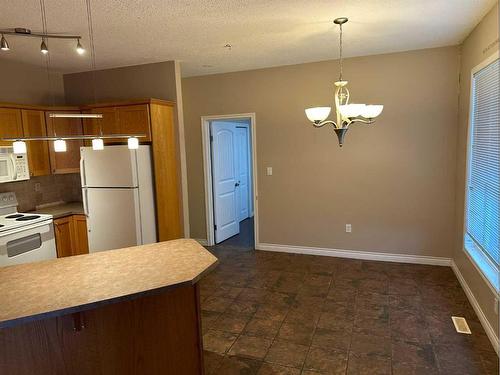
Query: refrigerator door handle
point(86, 207)
point(82, 171)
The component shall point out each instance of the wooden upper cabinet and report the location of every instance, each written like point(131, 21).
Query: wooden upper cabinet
point(108, 124)
point(69, 161)
point(134, 119)
point(126, 119)
point(38, 151)
point(11, 125)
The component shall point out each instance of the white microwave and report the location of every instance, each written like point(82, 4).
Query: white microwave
point(13, 167)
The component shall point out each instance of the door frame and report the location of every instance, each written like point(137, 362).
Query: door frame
point(207, 171)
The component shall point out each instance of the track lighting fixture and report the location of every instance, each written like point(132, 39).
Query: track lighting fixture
point(43, 47)
point(21, 31)
point(4, 46)
point(79, 48)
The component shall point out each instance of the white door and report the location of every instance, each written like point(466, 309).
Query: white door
point(113, 218)
point(224, 165)
point(115, 166)
point(243, 174)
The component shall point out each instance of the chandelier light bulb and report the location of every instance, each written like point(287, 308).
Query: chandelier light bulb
point(43, 47)
point(133, 143)
point(19, 147)
point(60, 145)
point(4, 45)
point(79, 48)
point(97, 144)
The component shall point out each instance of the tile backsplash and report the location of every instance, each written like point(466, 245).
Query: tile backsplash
point(53, 188)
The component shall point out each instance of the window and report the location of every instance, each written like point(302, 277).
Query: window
point(483, 178)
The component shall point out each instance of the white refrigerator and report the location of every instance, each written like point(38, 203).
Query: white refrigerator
point(118, 196)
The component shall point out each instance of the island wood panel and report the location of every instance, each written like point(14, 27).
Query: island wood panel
point(38, 151)
point(166, 171)
point(11, 125)
point(155, 334)
point(69, 161)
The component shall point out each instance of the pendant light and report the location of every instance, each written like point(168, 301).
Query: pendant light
point(60, 145)
point(19, 147)
point(347, 114)
point(133, 143)
point(4, 46)
point(97, 144)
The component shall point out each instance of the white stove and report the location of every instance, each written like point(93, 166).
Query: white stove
point(24, 237)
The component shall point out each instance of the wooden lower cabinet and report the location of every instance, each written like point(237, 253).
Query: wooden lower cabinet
point(149, 335)
point(71, 235)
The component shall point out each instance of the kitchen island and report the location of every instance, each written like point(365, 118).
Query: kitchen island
point(125, 311)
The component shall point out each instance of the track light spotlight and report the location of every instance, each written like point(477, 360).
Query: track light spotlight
point(79, 48)
point(43, 47)
point(4, 46)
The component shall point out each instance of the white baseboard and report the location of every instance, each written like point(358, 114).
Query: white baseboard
point(201, 241)
point(354, 254)
point(477, 308)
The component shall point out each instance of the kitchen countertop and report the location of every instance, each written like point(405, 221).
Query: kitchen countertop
point(61, 286)
point(62, 210)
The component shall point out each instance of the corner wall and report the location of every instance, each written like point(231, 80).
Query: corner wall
point(158, 80)
point(479, 45)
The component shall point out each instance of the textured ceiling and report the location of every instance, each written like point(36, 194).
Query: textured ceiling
point(263, 33)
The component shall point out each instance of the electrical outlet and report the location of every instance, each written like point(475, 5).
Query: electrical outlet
point(348, 228)
point(38, 187)
point(269, 171)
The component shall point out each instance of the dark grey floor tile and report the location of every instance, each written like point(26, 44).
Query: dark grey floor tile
point(297, 333)
point(331, 339)
point(287, 353)
point(262, 327)
point(272, 369)
point(327, 361)
point(251, 347)
point(218, 341)
point(232, 365)
point(368, 365)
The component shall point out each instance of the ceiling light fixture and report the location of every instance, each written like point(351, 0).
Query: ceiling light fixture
point(24, 32)
point(347, 114)
point(4, 46)
point(75, 115)
point(43, 47)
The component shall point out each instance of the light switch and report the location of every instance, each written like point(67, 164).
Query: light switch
point(269, 171)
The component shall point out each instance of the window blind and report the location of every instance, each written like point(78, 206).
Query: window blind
point(483, 191)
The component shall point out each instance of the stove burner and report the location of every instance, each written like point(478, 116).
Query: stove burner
point(29, 217)
point(14, 216)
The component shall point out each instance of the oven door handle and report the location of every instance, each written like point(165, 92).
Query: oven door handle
point(27, 228)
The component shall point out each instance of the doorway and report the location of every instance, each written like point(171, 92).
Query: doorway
point(230, 182)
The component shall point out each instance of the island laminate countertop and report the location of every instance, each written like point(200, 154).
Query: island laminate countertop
point(61, 286)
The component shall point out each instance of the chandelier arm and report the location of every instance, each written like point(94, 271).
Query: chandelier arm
point(323, 123)
point(362, 120)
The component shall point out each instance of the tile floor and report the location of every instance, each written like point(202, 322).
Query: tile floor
point(275, 313)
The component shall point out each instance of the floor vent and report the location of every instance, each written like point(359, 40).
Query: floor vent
point(461, 325)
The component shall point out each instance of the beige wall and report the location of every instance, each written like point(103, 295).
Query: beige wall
point(394, 181)
point(29, 84)
point(138, 81)
point(481, 43)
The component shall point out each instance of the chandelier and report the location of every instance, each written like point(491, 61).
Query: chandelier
point(347, 113)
